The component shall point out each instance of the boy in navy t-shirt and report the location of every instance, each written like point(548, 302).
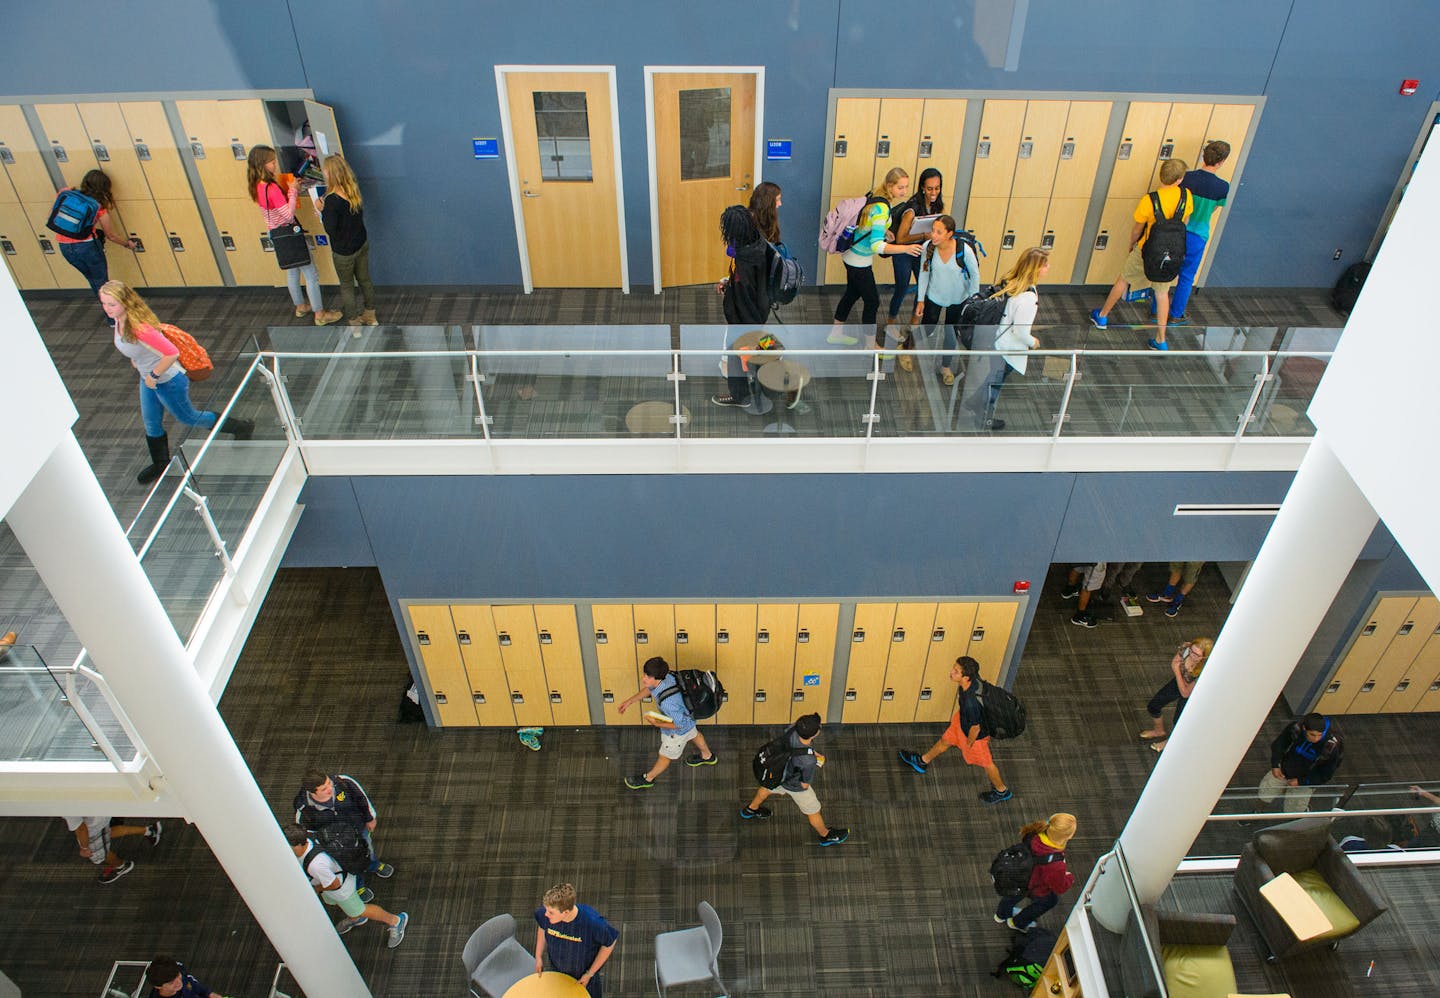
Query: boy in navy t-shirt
point(576, 936)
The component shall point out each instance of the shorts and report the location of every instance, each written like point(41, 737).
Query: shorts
point(805, 800)
point(1133, 274)
point(671, 744)
point(1189, 571)
point(977, 754)
point(1092, 576)
point(347, 898)
point(99, 842)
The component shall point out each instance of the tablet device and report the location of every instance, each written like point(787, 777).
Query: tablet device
point(920, 224)
point(655, 715)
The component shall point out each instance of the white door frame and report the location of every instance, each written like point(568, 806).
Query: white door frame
point(522, 242)
point(759, 73)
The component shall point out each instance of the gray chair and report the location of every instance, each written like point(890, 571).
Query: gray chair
point(690, 955)
point(494, 960)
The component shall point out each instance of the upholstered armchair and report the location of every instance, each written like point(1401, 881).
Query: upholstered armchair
point(1191, 948)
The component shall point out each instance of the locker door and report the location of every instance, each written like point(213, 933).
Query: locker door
point(695, 640)
point(869, 652)
point(1353, 674)
point(1000, 128)
point(1184, 134)
point(519, 642)
point(814, 658)
point(111, 146)
point(67, 142)
point(1038, 154)
point(654, 632)
point(484, 669)
point(1230, 122)
point(1409, 640)
point(158, 264)
point(948, 639)
point(559, 637)
point(1417, 679)
point(136, 217)
point(1063, 224)
point(220, 134)
point(21, 159)
point(852, 153)
point(445, 681)
point(1024, 226)
point(1135, 160)
point(64, 275)
point(989, 637)
point(897, 137)
point(615, 652)
point(1112, 241)
point(735, 661)
point(322, 126)
point(1429, 699)
point(941, 130)
point(21, 249)
point(243, 234)
point(986, 218)
point(185, 233)
point(775, 629)
point(1079, 155)
point(154, 149)
point(909, 645)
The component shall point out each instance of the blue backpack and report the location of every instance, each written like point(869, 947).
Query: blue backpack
point(73, 215)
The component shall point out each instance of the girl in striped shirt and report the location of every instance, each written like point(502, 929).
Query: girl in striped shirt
point(276, 197)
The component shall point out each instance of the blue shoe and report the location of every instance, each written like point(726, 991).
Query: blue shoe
point(397, 931)
point(836, 836)
point(1163, 596)
point(1179, 320)
point(1157, 345)
point(760, 812)
point(1174, 608)
point(1097, 320)
point(996, 796)
point(913, 760)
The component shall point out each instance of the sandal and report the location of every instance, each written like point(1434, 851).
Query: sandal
point(1149, 735)
point(1157, 747)
point(948, 377)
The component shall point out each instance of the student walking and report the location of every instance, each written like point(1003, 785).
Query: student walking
point(344, 220)
point(678, 728)
point(1083, 581)
point(576, 936)
point(796, 782)
point(949, 274)
point(859, 259)
point(341, 889)
point(927, 200)
point(169, 979)
point(164, 386)
point(88, 255)
point(1183, 576)
point(324, 799)
point(966, 732)
point(277, 194)
point(1209, 193)
point(94, 837)
point(745, 290)
point(1022, 302)
point(1304, 756)
point(1185, 673)
point(1048, 877)
point(765, 209)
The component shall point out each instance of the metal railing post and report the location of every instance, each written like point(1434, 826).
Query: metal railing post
point(676, 376)
point(875, 376)
point(102, 741)
point(476, 378)
point(1260, 381)
point(1064, 412)
point(281, 398)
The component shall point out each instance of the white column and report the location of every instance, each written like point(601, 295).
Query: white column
point(1317, 535)
point(68, 529)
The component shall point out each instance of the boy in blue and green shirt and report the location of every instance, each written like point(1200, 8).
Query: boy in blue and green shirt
point(1209, 192)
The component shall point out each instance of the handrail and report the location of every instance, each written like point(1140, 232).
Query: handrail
point(1151, 356)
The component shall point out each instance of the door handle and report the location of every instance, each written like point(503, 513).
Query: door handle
point(529, 194)
point(743, 187)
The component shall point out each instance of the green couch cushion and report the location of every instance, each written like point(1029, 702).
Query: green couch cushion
point(1340, 915)
point(1197, 971)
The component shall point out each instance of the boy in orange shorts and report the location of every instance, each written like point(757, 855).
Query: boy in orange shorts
point(966, 732)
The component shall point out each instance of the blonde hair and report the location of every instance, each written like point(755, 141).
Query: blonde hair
point(341, 179)
point(1059, 828)
point(561, 897)
point(1024, 274)
point(896, 174)
point(137, 313)
point(1172, 170)
point(1206, 646)
point(255, 171)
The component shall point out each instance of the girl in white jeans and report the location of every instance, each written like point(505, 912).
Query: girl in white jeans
point(276, 194)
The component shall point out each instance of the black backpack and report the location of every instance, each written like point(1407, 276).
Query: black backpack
point(1004, 714)
point(980, 309)
point(1164, 249)
point(345, 844)
point(700, 691)
point(1347, 289)
point(773, 759)
point(963, 238)
point(1026, 960)
point(1010, 869)
point(784, 276)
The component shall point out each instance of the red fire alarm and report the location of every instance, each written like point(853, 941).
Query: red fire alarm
point(1022, 586)
point(1408, 87)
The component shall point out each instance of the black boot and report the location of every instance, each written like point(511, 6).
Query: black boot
point(240, 429)
point(159, 459)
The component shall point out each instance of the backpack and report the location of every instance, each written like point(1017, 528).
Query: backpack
point(772, 762)
point(838, 233)
point(73, 215)
point(1004, 714)
point(784, 276)
point(1164, 249)
point(1026, 960)
point(193, 357)
point(1347, 289)
point(345, 844)
point(963, 238)
point(701, 691)
point(980, 309)
point(1011, 868)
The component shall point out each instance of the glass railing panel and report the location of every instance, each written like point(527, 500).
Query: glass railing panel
point(1128, 958)
point(570, 387)
point(1137, 394)
point(1280, 410)
point(182, 565)
point(36, 720)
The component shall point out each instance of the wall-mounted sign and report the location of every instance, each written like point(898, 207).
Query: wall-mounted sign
point(486, 148)
point(810, 679)
point(777, 149)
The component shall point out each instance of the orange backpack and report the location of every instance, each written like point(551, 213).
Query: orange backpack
point(193, 357)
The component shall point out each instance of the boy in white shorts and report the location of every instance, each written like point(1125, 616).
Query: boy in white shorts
point(678, 728)
point(800, 773)
point(1083, 581)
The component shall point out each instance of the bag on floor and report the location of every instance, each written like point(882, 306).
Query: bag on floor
point(838, 233)
point(784, 276)
point(1026, 960)
point(1004, 714)
point(73, 215)
point(980, 309)
point(772, 762)
point(292, 251)
point(1164, 251)
point(345, 844)
point(1347, 289)
point(193, 357)
point(700, 691)
point(1011, 868)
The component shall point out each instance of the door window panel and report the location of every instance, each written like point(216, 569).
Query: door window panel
point(562, 124)
point(705, 133)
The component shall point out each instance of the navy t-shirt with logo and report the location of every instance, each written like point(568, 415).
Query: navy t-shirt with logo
point(572, 946)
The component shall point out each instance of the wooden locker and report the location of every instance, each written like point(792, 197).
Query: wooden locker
point(1112, 241)
point(67, 142)
point(869, 652)
point(156, 262)
point(242, 233)
point(308, 217)
point(484, 669)
point(133, 218)
point(1353, 672)
point(949, 639)
point(735, 661)
point(189, 243)
point(559, 636)
point(814, 658)
point(114, 151)
point(1000, 127)
point(519, 642)
point(1430, 694)
point(7, 190)
point(1024, 227)
point(909, 644)
point(1139, 142)
point(21, 160)
point(614, 639)
point(834, 262)
point(1398, 657)
point(64, 275)
point(990, 636)
point(1037, 155)
point(775, 628)
point(154, 149)
point(986, 218)
point(1064, 225)
point(852, 151)
point(220, 134)
point(445, 678)
point(1413, 686)
point(695, 640)
point(1183, 136)
point(654, 632)
point(897, 137)
point(1079, 156)
point(22, 250)
point(1230, 122)
point(942, 129)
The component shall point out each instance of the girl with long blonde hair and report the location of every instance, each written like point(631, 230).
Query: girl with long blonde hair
point(1185, 668)
point(1022, 302)
point(870, 236)
point(277, 194)
point(349, 242)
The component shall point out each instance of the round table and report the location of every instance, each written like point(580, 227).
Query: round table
point(551, 984)
point(652, 417)
point(755, 360)
point(783, 377)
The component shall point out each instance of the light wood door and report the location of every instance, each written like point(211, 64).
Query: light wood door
point(852, 151)
point(941, 131)
point(559, 638)
point(1037, 155)
point(986, 218)
point(111, 145)
point(814, 658)
point(142, 222)
point(909, 646)
point(244, 238)
point(695, 641)
point(67, 143)
point(22, 250)
point(323, 128)
point(1418, 681)
point(308, 217)
point(615, 654)
point(1230, 123)
point(1079, 156)
point(1139, 142)
point(1064, 224)
point(735, 661)
point(775, 629)
point(704, 162)
point(439, 654)
point(1024, 225)
point(1346, 690)
point(1001, 125)
point(654, 632)
point(21, 160)
point(64, 275)
point(949, 639)
point(897, 138)
point(1430, 695)
point(990, 636)
point(153, 147)
point(484, 669)
point(1398, 657)
point(136, 219)
point(220, 135)
point(562, 138)
point(189, 244)
point(1112, 241)
point(519, 642)
point(1184, 134)
point(869, 653)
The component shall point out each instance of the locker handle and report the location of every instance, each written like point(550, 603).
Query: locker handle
point(938, 634)
point(759, 696)
point(142, 152)
point(422, 637)
point(803, 635)
point(227, 242)
point(440, 698)
point(849, 696)
point(859, 635)
point(1405, 628)
point(1435, 687)
point(101, 153)
point(1333, 688)
point(762, 636)
point(238, 149)
point(898, 635)
point(978, 634)
point(1007, 241)
point(6, 156)
point(464, 637)
point(139, 243)
point(1367, 686)
point(982, 151)
point(601, 637)
point(61, 156)
point(882, 149)
point(504, 637)
point(8, 247)
point(840, 147)
point(1167, 150)
point(1369, 629)
point(516, 697)
point(607, 697)
point(722, 637)
point(925, 693)
point(478, 697)
point(46, 246)
point(1102, 240)
point(1125, 148)
point(682, 637)
point(1402, 686)
point(642, 637)
point(555, 697)
point(1026, 149)
point(545, 638)
point(197, 149)
point(725, 697)
point(888, 695)
point(927, 147)
point(1067, 149)
point(1047, 241)
point(798, 696)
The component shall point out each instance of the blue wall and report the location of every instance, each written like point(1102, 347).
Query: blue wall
point(412, 84)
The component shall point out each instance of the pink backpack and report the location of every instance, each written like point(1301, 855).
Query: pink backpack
point(838, 233)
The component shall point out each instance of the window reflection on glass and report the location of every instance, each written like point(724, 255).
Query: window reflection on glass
point(705, 133)
point(562, 124)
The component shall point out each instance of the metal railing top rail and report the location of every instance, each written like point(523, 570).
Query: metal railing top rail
point(1150, 356)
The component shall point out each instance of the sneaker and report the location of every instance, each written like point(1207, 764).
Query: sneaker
point(841, 339)
point(760, 812)
point(1086, 619)
point(530, 741)
point(367, 895)
point(397, 931)
point(152, 833)
point(994, 424)
point(913, 760)
point(1164, 596)
point(116, 872)
point(1019, 928)
point(906, 364)
point(324, 318)
point(996, 796)
point(1070, 593)
point(346, 924)
point(1097, 320)
point(639, 782)
point(999, 920)
point(1179, 320)
point(835, 837)
point(302, 310)
point(696, 759)
point(529, 731)
point(729, 400)
point(384, 871)
point(1174, 608)
point(1157, 345)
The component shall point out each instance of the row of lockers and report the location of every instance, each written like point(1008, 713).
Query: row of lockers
point(155, 202)
point(520, 664)
point(1393, 662)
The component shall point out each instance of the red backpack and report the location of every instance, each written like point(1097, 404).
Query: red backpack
point(193, 357)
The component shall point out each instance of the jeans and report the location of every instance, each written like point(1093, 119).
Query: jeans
point(1030, 913)
point(88, 258)
point(355, 269)
point(174, 396)
point(1165, 695)
point(993, 387)
point(930, 317)
point(1185, 283)
point(859, 286)
point(312, 286)
point(906, 267)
